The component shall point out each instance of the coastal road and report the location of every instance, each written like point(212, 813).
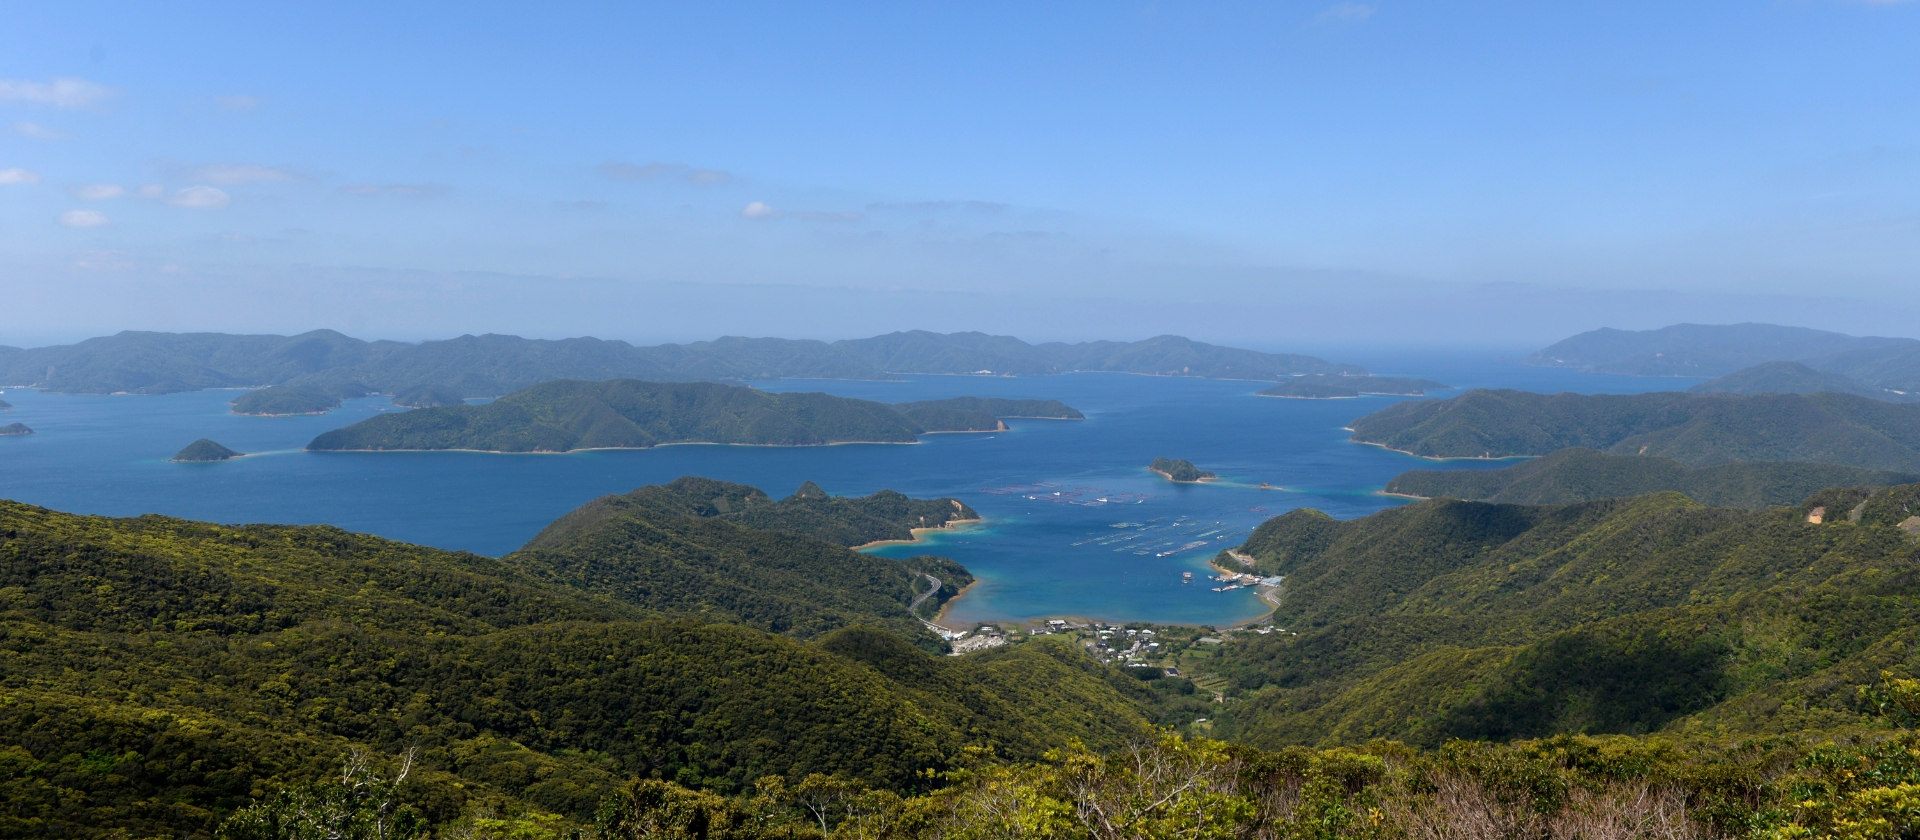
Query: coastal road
point(912, 609)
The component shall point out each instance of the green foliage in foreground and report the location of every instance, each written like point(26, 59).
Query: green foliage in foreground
point(1866, 787)
point(281, 401)
point(565, 415)
point(205, 450)
point(1698, 430)
point(1178, 470)
point(1450, 619)
point(157, 675)
point(1581, 475)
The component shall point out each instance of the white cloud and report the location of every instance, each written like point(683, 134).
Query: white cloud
point(238, 102)
point(38, 132)
point(200, 198)
point(662, 171)
point(759, 210)
point(83, 219)
point(1346, 12)
point(60, 93)
point(18, 176)
point(402, 190)
point(151, 191)
point(241, 173)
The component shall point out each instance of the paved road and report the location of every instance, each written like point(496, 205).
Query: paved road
point(918, 599)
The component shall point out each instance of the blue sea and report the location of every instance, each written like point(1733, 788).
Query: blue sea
point(1074, 524)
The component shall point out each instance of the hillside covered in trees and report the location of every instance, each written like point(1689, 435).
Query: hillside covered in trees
point(491, 365)
point(1697, 430)
point(159, 674)
point(565, 415)
point(1580, 475)
point(1451, 619)
point(1329, 387)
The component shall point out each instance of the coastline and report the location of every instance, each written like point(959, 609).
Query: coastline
point(1170, 478)
point(952, 525)
point(1443, 457)
point(640, 448)
point(1402, 495)
point(940, 618)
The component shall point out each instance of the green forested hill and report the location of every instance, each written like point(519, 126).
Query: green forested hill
point(568, 414)
point(1580, 475)
point(1697, 430)
point(1177, 469)
point(1794, 378)
point(280, 401)
point(981, 414)
point(490, 365)
point(426, 396)
point(1452, 619)
point(727, 552)
point(157, 673)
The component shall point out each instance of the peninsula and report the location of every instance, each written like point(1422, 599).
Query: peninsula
point(1697, 430)
point(566, 415)
point(282, 401)
point(204, 450)
point(5, 406)
point(1320, 386)
point(1183, 472)
point(1580, 475)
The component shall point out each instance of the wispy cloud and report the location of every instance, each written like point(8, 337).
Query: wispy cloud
point(200, 198)
point(60, 93)
point(98, 192)
point(238, 102)
point(662, 171)
point(18, 176)
point(240, 173)
point(938, 206)
point(397, 190)
point(758, 210)
point(83, 219)
point(1346, 12)
point(38, 132)
point(763, 210)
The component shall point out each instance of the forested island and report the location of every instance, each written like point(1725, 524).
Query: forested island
point(1579, 475)
point(1179, 471)
point(204, 450)
point(567, 415)
point(1697, 430)
point(491, 365)
point(5, 406)
point(15, 429)
point(285, 402)
point(1329, 387)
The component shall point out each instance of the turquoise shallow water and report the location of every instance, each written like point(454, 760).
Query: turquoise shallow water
point(1046, 547)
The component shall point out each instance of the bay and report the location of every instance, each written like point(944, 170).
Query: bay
point(1050, 491)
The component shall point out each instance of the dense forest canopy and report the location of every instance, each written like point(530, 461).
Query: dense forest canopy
point(1580, 475)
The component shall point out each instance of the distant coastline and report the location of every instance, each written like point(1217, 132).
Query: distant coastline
point(952, 525)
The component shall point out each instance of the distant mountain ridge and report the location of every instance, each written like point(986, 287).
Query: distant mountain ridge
point(490, 365)
point(1720, 349)
point(1698, 430)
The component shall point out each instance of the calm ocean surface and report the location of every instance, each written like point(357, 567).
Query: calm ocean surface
point(1047, 547)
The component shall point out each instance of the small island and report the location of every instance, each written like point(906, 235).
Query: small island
point(1176, 470)
point(15, 429)
point(285, 401)
point(427, 396)
point(1316, 386)
point(203, 451)
point(5, 406)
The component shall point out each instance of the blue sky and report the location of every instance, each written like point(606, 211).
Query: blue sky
point(1267, 173)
